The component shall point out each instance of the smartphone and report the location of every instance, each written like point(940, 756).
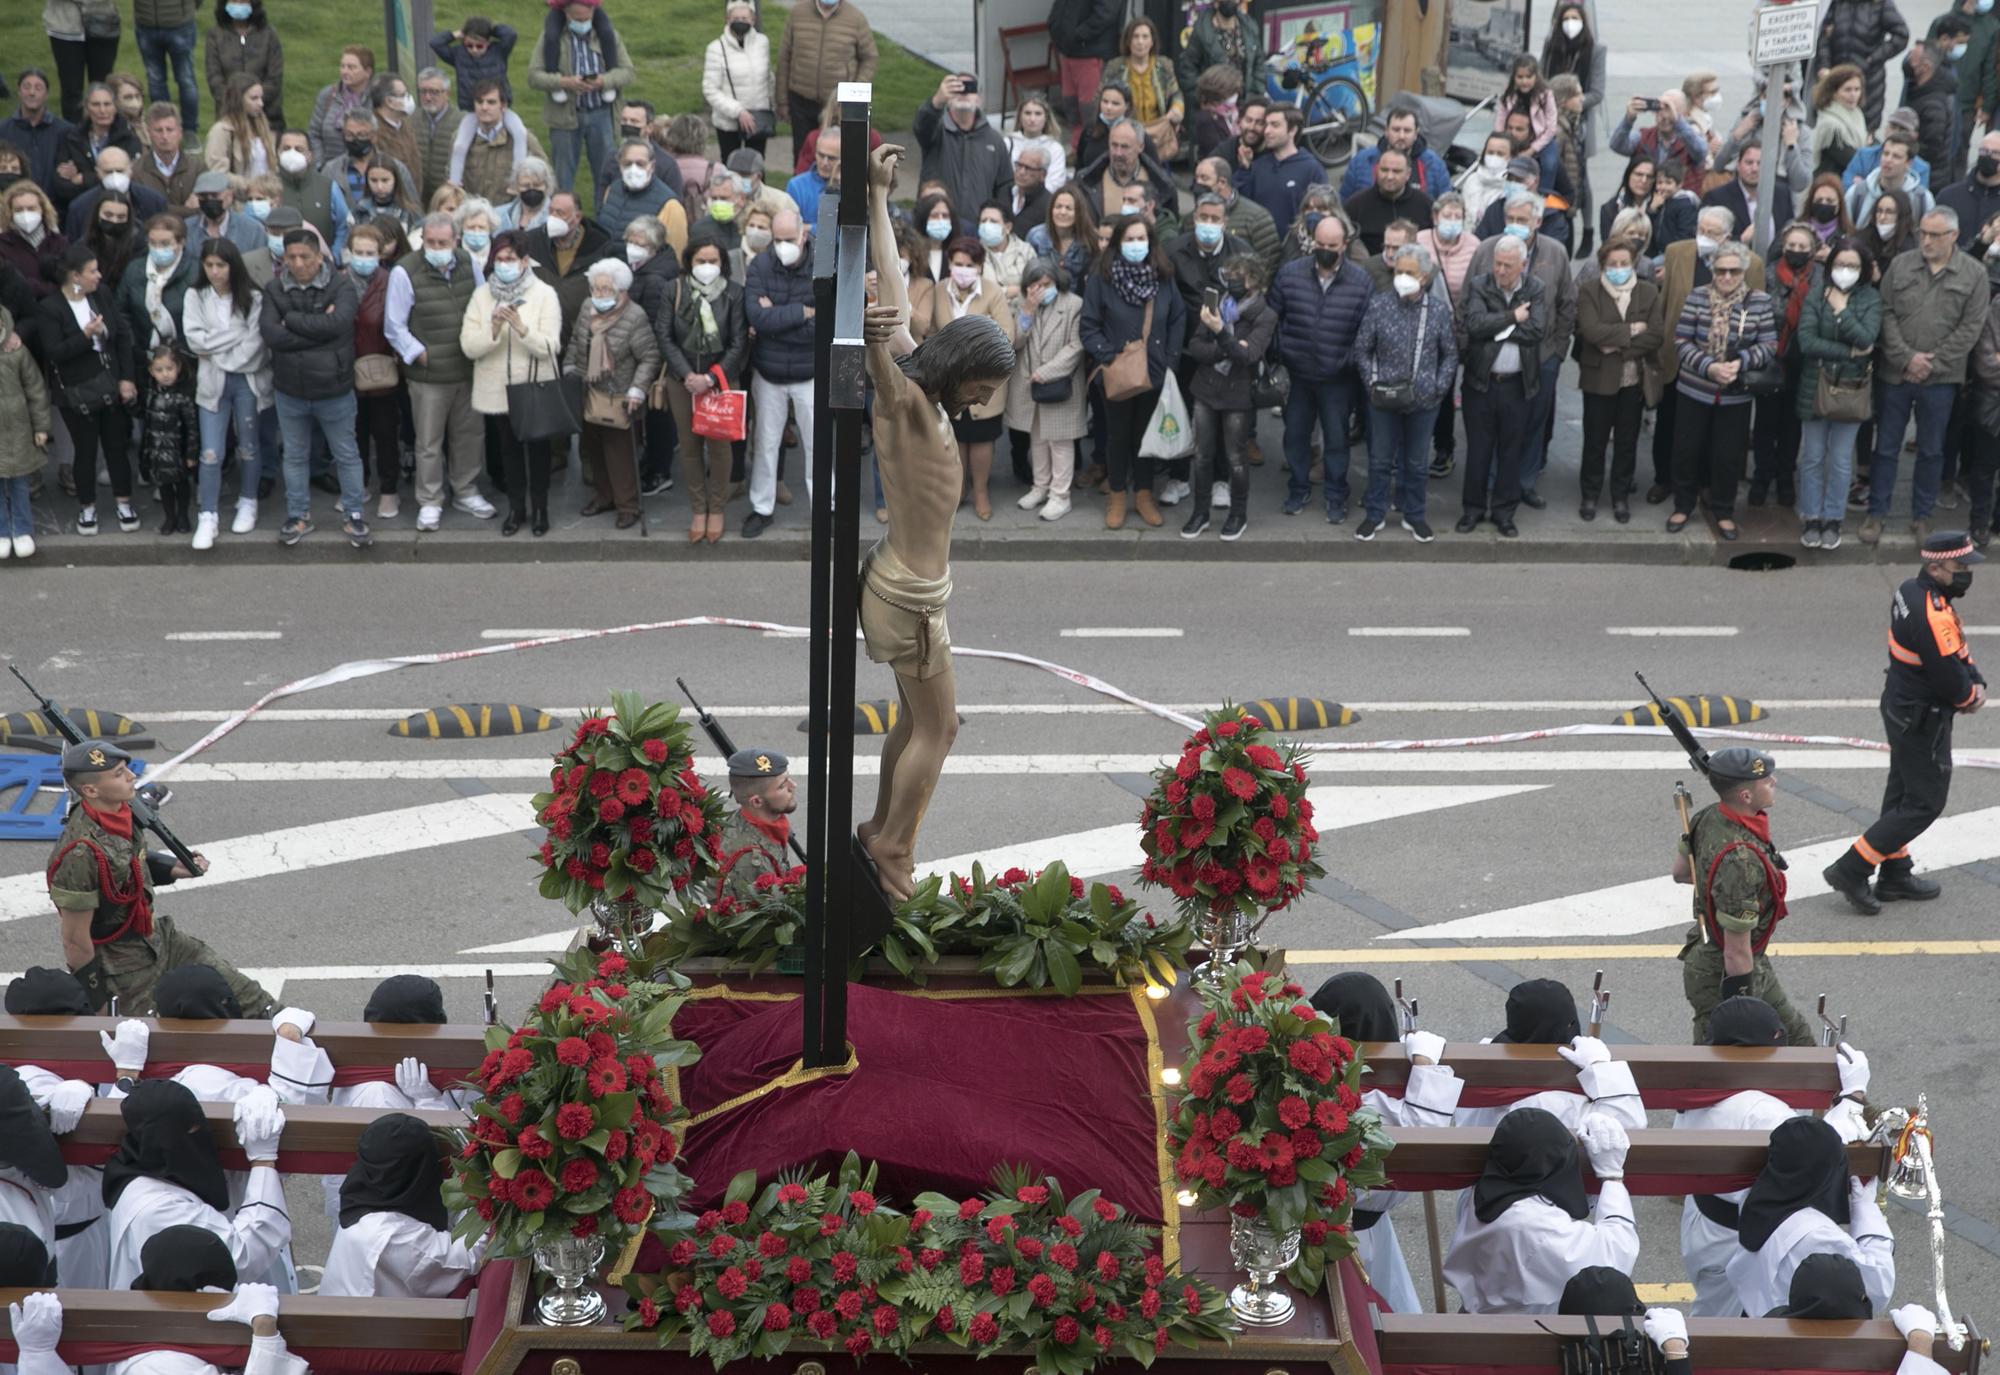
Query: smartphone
point(1650, 103)
point(1211, 299)
point(969, 84)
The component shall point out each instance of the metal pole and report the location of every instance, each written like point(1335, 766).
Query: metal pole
point(1773, 145)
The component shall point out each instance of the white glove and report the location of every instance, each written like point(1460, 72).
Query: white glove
point(250, 1302)
point(294, 1016)
point(1426, 1045)
point(37, 1322)
point(1861, 1195)
point(1665, 1325)
point(1585, 1051)
point(1853, 1073)
point(127, 1048)
point(1913, 1317)
point(1846, 1118)
point(259, 1124)
point(413, 1079)
point(66, 1104)
point(1605, 1142)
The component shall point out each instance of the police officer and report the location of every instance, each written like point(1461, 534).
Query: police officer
point(101, 879)
point(756, 837)
point(1739, 894)
point(1931, 678)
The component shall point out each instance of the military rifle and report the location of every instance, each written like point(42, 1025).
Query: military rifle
point(719, 737)
point(1697, 756)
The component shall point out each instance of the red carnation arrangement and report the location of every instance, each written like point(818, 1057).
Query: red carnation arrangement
point(574, 1129)
point(627, 818)
point(1228, 824)
point(1269, 1123)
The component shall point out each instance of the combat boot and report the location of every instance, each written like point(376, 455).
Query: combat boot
point(1898, 882)
point(1851, 882)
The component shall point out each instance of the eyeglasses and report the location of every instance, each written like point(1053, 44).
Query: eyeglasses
point(1938, 233)
point(1728, 272)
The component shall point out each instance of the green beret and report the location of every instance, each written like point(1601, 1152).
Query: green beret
point(1740, 764)
point(755, 763)
point(92, 757)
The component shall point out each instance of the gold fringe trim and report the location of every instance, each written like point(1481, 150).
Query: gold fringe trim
point(629, 1253)
point(1170, 1208)
point(792, 1078)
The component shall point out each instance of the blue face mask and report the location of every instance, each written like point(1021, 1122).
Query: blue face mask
point(604, 305)
point(508, 273)
point(1618, 276)
point(439, 258)
point(579, 27)
point(938, 229)
point(477, 240)
point(1048, 295)
point(1984, 6)
point(161, 257)
point(242, 12)
point(1135, 250)
point(361, 267)
point(991, 235)
point(1449, 230)
point(1517, 231)
point(1208, 235)
point(258, 209)
point(275, 244)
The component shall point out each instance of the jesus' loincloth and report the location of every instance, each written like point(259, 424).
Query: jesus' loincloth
point(902, 615)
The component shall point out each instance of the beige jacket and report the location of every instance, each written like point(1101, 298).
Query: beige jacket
point(511, 357)
point(819, 51)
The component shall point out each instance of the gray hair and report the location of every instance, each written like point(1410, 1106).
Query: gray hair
point(1717, 214)
point(1450, 200)
point(1128, 122)
point(1632, 222)
point(1941, 212)
point(1042, 270)
point(439, 219)
point(1425, 263)
point(1518, 195)
point(1208, 198)
point(470, 206)
point(629, 144)
point(655, 233)
point(614, 268)
point(1510, 246)
point(1730, 248)
point(432, 74)
point(534, 167)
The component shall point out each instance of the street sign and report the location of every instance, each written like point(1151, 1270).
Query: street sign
point(1785, 33)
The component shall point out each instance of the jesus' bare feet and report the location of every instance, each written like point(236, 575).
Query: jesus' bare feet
point(894, 869)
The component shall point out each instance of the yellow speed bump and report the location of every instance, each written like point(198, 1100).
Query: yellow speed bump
point(1299, 713)
point(28, 727)
point(474, 721)
point(1695, 711)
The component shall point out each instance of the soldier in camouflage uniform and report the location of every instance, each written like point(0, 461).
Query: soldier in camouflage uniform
point(1739, 894)
point(756, 837)
point(101, 879)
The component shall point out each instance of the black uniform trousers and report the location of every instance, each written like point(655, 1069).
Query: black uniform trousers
point(1919, 779)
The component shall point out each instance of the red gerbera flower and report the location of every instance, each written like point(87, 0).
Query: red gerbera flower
point(605, 1076)
point(634, 787)
point(532, 1191)
point(1239, 783)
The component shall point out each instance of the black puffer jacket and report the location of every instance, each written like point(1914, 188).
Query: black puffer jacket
point(1868, 33)
point(173, 434)
point(312, 347)
point(1936, 104)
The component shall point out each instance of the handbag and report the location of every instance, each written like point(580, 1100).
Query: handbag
point(1054, 391)
point(763, 123)
point(1272, 386)
point(1400, 398)
point(604, 410)
point(1166, 138)
point(1766, 380)
point(722, 413)
point(376, 372)
point(1128, 374)
point(539, 410)
point(98, 392)
point(1849, 402)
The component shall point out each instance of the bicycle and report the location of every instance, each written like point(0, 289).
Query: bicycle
point(1321, 84)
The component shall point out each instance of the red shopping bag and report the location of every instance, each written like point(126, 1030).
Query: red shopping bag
point(720, 414)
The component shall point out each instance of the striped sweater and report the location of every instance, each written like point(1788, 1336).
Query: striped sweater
point(1753, 337)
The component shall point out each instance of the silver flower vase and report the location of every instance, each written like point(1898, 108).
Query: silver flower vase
point(1263, 1252)
point(1226, 932)
point(571, 1262)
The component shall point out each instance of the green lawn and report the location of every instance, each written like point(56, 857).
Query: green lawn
point(666, 39)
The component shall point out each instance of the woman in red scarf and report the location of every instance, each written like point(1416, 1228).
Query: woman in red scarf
point(1775, 438)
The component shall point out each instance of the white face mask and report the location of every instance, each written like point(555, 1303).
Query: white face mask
point(1494, 163)
point(408, 104)
point(756, 240)
point(558, 228)
point(292, 160)
point(1706, 246)
point(706, 273)
point(1714, 102)
point(788, 253)
point(117, 181)
point(636, 177)
point(1407, 286)
point(1885, 225)
point(27, 221)
point(1846, 277)
point(637, 253)
point(1572, 28)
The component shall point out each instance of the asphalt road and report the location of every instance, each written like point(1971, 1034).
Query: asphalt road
point(378, 853)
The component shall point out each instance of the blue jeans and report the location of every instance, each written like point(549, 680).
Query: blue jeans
point(16, 517)
point(1328, 405)
point(1537, 456)
point(333, 418)
point(1826, 465)
point(1932, 401)
point(1398, 456)
point(239, 404)
point(156, 46)
point(592, 135)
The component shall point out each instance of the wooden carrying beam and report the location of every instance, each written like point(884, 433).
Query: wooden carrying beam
point(35, 1040)
point(316, 1140)
point(1660, 1162)
point(1729, 1069)
point(306, 1321)
point(1439, 1342)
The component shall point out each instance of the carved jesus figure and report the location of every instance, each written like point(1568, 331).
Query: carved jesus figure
point(906, 578)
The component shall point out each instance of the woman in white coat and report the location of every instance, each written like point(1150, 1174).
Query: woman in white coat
point(395, 1239)
point(512, 331)
point(1525, 1227)
point(1803, 1204)
point(737, 82)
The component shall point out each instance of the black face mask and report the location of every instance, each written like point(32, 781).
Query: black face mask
point(1960, 584)
point(1226, 8)
point(1326, 257)
point(113, 229)
point(630, 132)
point(533, 197)
point(1797, 258)
point(360, 147)
point(1988, 165)
point(1824, 213)
point(741, 28)
point(211, 206)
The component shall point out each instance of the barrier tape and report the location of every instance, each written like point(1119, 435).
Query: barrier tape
point(365, 668)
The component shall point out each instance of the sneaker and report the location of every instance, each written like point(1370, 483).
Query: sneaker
point(656, 484)
point(86, 521)
point(429, 517)
point(388, 506)
point(24, 546)
point(1196, 523)
point(246, 516)
point(6, 548)
point(295, 529)
point(1442, 464)
point(1032, 498)
point(1858, 495)
point(1920, 529)
point(1218, 495)
point(1420, 529)
point(1366, 530)
point(356, 530)
point(1237, 523)
point(474, 504)
point(1055, 508)
point(204, 530)
point(1871, 530)
point(1947, 497)
point(1294, 505)
point(128, 519)
point(1829, 535)
point(1809, 537)
point(1173, 492)
point(1337, 515)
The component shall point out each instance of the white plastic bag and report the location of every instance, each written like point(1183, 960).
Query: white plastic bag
point(1170, 433)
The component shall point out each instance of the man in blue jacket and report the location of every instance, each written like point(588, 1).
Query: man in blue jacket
point(1320, 301)
point(1400, 134)
point(1277, 178)
point(778, 298)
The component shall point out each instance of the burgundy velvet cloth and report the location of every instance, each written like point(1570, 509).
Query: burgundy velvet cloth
point(944, 1090)
point(489, 1310)
point(1358, 1297)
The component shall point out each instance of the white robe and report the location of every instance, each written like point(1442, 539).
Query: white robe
point(1429, 1100)
point(1607, 1088)
point(1763, 1279)
point(1707, 1246)
point(384, 1096)
point(394, 1256)
point(81, 1259)
point(1520, 1261)
point(258, 1233)
point(268, 1356)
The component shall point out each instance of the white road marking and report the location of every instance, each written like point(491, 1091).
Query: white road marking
point(1122, 632)
point(1409, 632)
point(1673, 632)
point(1626, 909)
point(321, 843)
point(511, 633)
point(1983, 630)
point(226, 635)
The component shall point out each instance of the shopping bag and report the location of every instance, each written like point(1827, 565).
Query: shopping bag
point(720, 414)
point(1170, 433)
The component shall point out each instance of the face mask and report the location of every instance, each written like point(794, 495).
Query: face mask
point(1048, 296)
point(1956, 51)
point(1326, 257)
point(1846, 277)
point(1135, 250)
point(1824, 213)
point(439, 258)
point(637, 254)
point(507, 273)
point(27, 221)
point(1518, 231)
point(636, 178)
point(277, 246)
point(1208, 235)
point(362, 266)
point(557, 226)
point(1449, 230)
point(477, 240)
point(789, 253)
point(903, 269)
point(162, 257)
point(604, 305)
point(1797, 258)
point(1572, 28)
point(992, 235)
point(741, 28)
point(964, 278)
point(1885, 226)
point(756, 240)
point(722, 212)
point(1984, 7)
point(1714, 102)
point(744, 186)
point(939, 230)
point(117, 181)
point(292, 160)
point(1706, 246)
point(360, 147)
point(579, 27)
point(706, 273)
point(405, 104)
point(211, 206)
point(533, 196)
point(1987, 164)
point(630, 131)
point(1225, 7)
point(1494, 163)
point(237, 12)
point(1960, 584)
point(1407, 286)
point(259, 210)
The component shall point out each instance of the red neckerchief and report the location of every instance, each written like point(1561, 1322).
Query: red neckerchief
point(134, 899)
point(778, 829)
point(118, 821)
point(1757, 824)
